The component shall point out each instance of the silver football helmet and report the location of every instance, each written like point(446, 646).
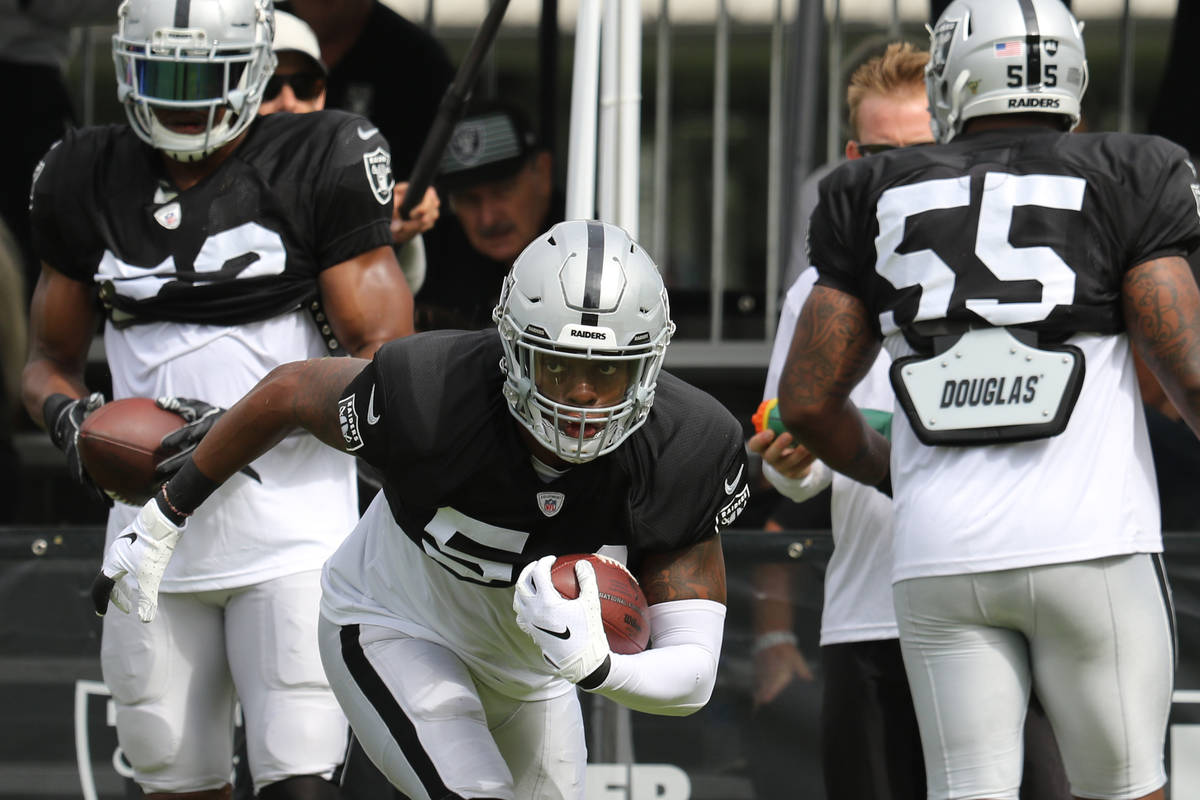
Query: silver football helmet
point(1004, 57)
point(211, 56)
point(583, 291)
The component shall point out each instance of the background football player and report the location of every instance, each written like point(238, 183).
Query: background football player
point(450, 650)
point(870, 743)
point(204, 233)
point(1008, 272)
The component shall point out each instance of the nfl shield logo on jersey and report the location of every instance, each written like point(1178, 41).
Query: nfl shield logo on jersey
point(550, 502)
point(169, 216)
point(378, 164)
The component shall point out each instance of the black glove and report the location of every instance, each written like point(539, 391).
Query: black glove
point(63, 415)
point(200, 417)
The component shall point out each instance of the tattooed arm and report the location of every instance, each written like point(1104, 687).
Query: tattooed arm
point(832, 350)
point(299, 396)
point(686, 590)
point(693, 572)
point(1162, 314)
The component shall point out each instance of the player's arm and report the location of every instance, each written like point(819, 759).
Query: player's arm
point(686, 592)
point(368, 301)
point(62, 320)
point(1161, 304)
point(675, 676)
point(832, 350)
point(299, 396)
point(302, 395)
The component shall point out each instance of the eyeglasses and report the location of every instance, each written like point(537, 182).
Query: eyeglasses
point(873, 149)
point(305, 85)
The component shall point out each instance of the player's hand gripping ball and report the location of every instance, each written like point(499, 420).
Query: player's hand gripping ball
point(120, 445)
point(623, 606)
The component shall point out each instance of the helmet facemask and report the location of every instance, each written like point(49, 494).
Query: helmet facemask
point(547, 329)
point(215, 64)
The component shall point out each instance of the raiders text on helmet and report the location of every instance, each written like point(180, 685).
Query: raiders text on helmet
point(1004, 57)
point(211, 56)
point(583, 290)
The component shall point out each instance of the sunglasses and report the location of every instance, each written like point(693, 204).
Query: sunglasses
point(873, 149)
point(305, 85)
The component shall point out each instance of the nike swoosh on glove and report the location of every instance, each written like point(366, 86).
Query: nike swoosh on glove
point(569, 632)
point(200, 417)
point(135, 562)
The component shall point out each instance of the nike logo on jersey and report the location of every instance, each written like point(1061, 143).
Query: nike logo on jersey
point(565, 633)
point(367, 134)
point(131, 536)
point(731, 485)
point(372, 417)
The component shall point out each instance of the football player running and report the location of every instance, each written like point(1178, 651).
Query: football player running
point(1010, 271)
point(453, 655)
point(206, 234)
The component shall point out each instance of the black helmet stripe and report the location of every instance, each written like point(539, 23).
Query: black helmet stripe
point(183, 12)
point(1033, 44)
point(595, 269)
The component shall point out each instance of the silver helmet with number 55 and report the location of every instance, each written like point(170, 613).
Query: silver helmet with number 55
point(1004, 57)
point(585, 321)
point(191, 73)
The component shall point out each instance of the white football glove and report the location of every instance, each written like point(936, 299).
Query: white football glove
point(570, 632)
point(135, 562)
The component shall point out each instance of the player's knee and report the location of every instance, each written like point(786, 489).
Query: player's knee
point(148, 740)
point(300, 787)
point(303, 739)
point(446, 700)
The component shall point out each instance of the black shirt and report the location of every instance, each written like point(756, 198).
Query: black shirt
point(301, 193)
point(1025, 226)
point(395, 74)
point(429, 414)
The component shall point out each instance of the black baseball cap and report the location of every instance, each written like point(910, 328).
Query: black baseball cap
point(486, 145)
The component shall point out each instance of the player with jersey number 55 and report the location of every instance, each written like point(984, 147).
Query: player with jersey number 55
point(443, 635)
point(205, 233)
point(1010, 271)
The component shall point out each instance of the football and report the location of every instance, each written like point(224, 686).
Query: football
point(119, 446)
point(623, 606)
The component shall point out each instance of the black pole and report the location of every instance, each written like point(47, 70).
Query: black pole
point(454, 103)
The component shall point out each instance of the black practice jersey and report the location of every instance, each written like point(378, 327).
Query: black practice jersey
point(429, 414)
point(301, 193)
point(1025, 227)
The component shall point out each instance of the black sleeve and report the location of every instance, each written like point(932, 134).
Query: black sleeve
point(362, 409)
point(353, 205)
point(1170, 218)
point(58, 196)
point(698, 481)
point(830, 232)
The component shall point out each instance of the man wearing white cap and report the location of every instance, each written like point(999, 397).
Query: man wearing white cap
point(298, 84)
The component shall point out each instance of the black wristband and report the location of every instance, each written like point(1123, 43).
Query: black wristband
point(185, 491)
point(597, 676)
point(52, 409)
